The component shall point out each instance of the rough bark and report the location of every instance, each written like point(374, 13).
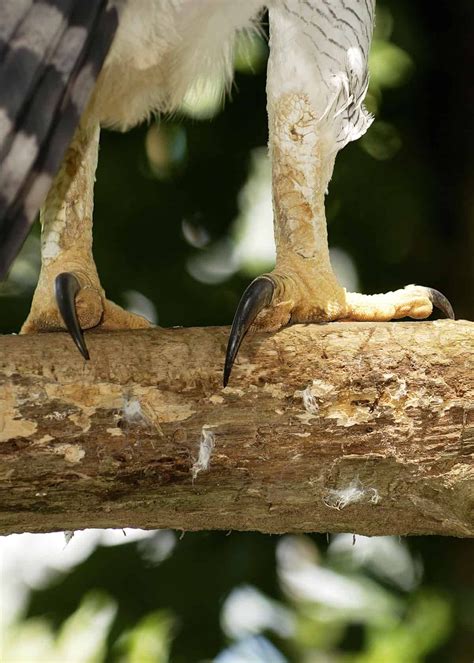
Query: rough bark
point(366, 428)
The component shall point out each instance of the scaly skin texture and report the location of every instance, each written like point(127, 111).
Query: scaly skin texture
point(306, 288)
point(66, 245)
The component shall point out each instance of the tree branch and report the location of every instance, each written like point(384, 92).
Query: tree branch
point(366, 428)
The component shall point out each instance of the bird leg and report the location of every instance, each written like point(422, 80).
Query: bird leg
point(69, 293)
point(303, 287)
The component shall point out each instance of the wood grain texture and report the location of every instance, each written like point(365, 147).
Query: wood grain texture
point(358, 427)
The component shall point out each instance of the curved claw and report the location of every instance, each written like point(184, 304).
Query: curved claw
point(256, 297)
point(66, 287)
point(441, 302)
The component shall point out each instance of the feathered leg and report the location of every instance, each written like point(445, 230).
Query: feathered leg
point(69, 293)
point(317, 80)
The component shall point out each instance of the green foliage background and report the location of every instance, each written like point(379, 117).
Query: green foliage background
point(401, 206)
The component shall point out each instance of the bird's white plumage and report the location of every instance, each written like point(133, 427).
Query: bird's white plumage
point(320, 48)
point(164, 47)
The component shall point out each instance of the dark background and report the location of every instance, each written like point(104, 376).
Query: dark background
point(402, 213)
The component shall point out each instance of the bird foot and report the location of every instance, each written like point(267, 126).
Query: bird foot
point(70, 301)
point(275, 300)
point(412, 301)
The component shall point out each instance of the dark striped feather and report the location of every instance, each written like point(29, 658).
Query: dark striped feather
point(47, 74)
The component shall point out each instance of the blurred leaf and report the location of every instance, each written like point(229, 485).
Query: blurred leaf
point(426, 625)
point(148, 642)
point(382, 141)
point(390, 66)
point(190, 585)
point(81, 638)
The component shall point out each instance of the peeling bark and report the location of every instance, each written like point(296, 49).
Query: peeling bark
point(366, 428)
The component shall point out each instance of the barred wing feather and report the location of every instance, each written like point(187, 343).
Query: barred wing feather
point(51, 52)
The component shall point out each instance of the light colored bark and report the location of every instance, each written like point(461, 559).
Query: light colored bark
point(359, 427)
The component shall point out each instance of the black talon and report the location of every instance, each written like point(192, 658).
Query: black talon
point(256, 297)
point(441, 302)
point(67, 286)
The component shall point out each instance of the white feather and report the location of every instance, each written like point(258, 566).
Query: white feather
point(165, 47)
point(162, 49)
point(320, 48)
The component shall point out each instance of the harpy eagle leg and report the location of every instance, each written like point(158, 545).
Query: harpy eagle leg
point(317, 81)
point(76, 301)
point(51, 53)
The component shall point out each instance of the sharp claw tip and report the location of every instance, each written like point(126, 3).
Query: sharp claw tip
point(256, 297)
point(225, 379)
point(80, 345)
point(442, 303)
point(67, 286)
point(229, 362)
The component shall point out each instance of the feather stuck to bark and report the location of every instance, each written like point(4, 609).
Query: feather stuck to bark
point(365, 428)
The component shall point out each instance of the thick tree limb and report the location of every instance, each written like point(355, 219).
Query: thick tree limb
point(366, 428)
